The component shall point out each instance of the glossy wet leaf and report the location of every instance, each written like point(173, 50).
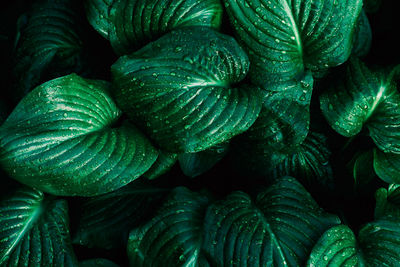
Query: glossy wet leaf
point(174, 236)
point(60, 139)
point(387, 166)
point(34, 231)
point(181, 89)
point(130, 24)
point(388, 201)
point(284, 38)
point(195, 164)
point(377, 245)
point(106, 220)
point(368, 99)
point(49, 45)
point(165, 161)
point(278, 228)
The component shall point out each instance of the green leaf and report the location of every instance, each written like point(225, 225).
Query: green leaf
point(309, 161)
point(284, 38)
point(49, 45)
point(60, 140)
point(363, 171)
point(34, 231)
point(362, 36)
point(97, 263)
point(364, 98)
point(377, 245)
point(388, 202)
point(195, 164)
point(387, 166)
point(279, 228)
point(106, 220)
point(163, 164)
point(285, 116)
point(181, 89)
point(130, 24)
point(174, 236)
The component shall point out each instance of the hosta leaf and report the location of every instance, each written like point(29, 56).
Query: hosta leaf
point(363, 36)
point(388, 202)
point(106, 220)
point(387, 166)
point(49, 45)
point(283, 38)
point(174, 236)
point(180, 89)
point(279, 228)
point(285, 116)
point(129, 24)
point(60, 139)
point(377, 245)
point(195, 164)
point(97, 263)
point(163, 164)
point(364, 175)
point(309, 161)
point(34, 231)
point(365, 98)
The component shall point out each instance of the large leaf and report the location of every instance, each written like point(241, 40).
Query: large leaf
point(163, 164)
point(106, 220)
point(129, 24)
point(34, 231)
point(365, 98)
point(283, 38)
point(378, 245)
point(49, 45)
point(285, 116)
point(180, 89)
point(278, 228)
point(309, 161)
point(388, 202)
point(60, 140)
point(195, 164)
point(174, 236)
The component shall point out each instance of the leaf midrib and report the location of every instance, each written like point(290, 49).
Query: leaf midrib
point(294, 27)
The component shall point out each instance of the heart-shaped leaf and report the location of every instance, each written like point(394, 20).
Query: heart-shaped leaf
point(378, 244)
point(129, 24)
point(364, 98)
point(60, 140)
point(49, 45)
point(106, 220)
point(180, 89)
point(284, 38)
point(34, 231)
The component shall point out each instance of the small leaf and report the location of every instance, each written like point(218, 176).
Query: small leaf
point(378, 245)
point(106, 220)
point(387, 166)
point(363, 171)
point(174, 236)
point(34, 231)
point(285, 38)
point(195, 164)
point(49, 45)
point(130, 24)
point(362, 36)
point(60, 140)
point(388, 202)
point(180, 89)
point(279, 228)
point(364, 98)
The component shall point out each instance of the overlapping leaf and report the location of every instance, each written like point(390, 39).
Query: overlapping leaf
point(34, 231)
point(279, 228)
point(283, 38)
point(363, 36)
point(388, 202)
point(60, 139)
point(129, 24)
point(365, 98)
point(163, 164)
point(49, 45)
point(377, 245)
point(181, 89)
point(106, 220)
point(387, 166)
